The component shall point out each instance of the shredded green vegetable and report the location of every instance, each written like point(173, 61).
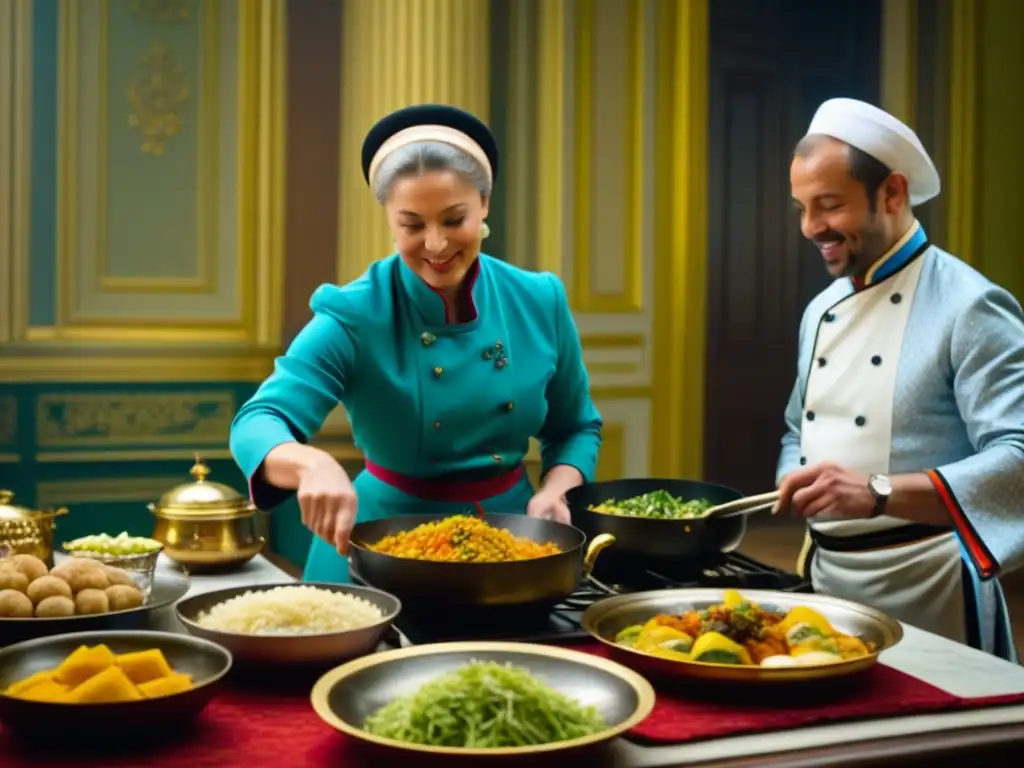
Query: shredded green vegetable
point(660, 505)
point(484, 705)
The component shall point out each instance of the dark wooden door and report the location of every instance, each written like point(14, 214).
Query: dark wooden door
point(772, 62)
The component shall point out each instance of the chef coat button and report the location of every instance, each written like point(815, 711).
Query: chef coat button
point(500, 363)
point(497, 458)
point(860, 421)
point(427, 339)
point(803, 460)
point(488, 354)
point(895, 298)
point(498, 346)
point(810, 415)
point(821, 362)
point(437, 425)
point(876, 360)
point(509, 406)
point(438, 371)
point(829, 317)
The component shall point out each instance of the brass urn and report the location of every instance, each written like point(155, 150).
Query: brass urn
point(208, 526)
point(25, 531)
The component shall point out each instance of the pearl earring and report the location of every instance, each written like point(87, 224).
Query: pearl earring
point(485, 230)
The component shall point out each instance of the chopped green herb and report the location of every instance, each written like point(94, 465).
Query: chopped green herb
point(658, 505)
point(484, 705)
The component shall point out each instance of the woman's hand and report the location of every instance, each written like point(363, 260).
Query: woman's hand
point(327, 500)
point(549, 506)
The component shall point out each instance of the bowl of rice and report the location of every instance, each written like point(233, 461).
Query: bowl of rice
point(308, 623)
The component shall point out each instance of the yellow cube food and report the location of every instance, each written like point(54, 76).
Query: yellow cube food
point(143, 666)
point(166, 686)
point(110, 685)
point(46, 690)
point(83, 664)
point(31, 681)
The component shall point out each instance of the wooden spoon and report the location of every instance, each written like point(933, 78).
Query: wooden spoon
point(745, 506)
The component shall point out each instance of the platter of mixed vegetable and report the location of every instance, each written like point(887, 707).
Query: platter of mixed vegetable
point(656, 505)
point(759, 636)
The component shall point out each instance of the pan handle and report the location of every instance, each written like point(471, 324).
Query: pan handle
point(596, 546)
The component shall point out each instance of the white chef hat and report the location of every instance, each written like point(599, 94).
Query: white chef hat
point(882, 136)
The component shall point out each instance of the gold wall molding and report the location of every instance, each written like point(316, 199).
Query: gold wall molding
point(435, 52)
point(10, 458)
point(104, 455)
point(15, 159)
point(78, 368)
point(899, 59)
point(588, 250)
point(162, 11)
point(123, 419)
point(98, 490)
point(964, 105)
point(251, 317)
point(157, 94)
point(677, 438)
point(552, 166)
point(520, 156)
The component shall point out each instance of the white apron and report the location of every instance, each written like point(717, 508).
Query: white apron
point(847, 419)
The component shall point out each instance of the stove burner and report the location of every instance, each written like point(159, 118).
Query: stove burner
point(562, 622)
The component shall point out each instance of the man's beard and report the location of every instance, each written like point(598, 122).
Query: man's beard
point(872, 246)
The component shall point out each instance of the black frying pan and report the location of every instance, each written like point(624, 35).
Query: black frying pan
point(698, 539)
point(540, 582)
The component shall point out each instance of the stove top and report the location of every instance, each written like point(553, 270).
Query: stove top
point(563, 622)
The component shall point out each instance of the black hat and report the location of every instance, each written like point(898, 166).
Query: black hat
point(472, 129)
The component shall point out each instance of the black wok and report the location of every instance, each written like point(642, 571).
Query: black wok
point(537, 583)
point(640, 537)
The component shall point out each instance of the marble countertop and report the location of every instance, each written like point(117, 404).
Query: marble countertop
point(950, 666)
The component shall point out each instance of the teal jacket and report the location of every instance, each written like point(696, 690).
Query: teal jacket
point(426, 398)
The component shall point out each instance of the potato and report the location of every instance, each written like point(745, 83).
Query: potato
point(30, 565)
point(118, 577)
point(11, 578)
point(47, 586)
point(15, 604)
point(121, 598)
point(55, 607)
point(90, 601)
point(88, 578)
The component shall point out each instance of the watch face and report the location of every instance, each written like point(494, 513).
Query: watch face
point(881, 485)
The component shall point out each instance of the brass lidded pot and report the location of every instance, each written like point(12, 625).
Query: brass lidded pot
point(25, 531)
point(208, 526)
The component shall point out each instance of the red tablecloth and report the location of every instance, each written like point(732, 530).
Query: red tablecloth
point(252, 728)
point(694, 713)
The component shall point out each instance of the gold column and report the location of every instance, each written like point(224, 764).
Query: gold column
point(396, 53)
point(962, 179)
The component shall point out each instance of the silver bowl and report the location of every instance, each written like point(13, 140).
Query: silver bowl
point(313, 649)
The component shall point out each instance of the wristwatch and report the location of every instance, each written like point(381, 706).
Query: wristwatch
point(881, 488)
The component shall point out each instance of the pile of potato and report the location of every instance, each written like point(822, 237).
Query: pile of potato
point(76, 587)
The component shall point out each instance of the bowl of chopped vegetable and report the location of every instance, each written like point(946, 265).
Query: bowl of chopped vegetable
point(483, 700)
point(656, 518)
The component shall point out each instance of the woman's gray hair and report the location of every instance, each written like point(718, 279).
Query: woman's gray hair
point(422, 157)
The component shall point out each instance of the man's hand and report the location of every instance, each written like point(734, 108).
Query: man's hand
point(826, 489)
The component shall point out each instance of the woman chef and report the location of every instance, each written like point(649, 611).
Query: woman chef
point(447, 361)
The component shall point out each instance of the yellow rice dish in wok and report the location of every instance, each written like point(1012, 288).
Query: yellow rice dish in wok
point(740, 632)
point(462, 539)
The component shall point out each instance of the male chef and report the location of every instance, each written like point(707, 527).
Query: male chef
point(904, 447)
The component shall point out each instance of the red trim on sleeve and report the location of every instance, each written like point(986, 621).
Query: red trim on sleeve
point(986, 564)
